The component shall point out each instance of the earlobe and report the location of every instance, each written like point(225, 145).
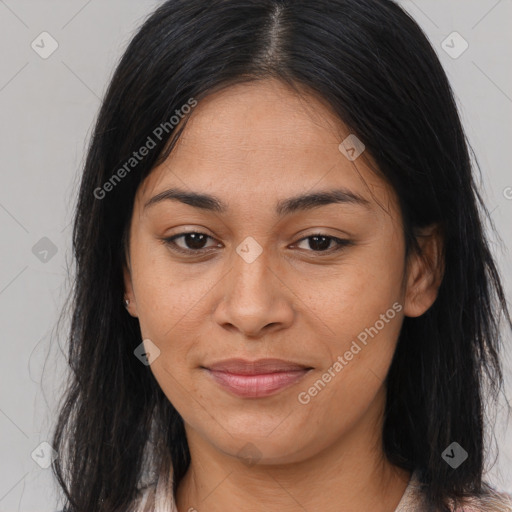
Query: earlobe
point(129, 299)
point(425, 271)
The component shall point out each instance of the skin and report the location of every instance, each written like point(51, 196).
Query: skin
point(252, 145)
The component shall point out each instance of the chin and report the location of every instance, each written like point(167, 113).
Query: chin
point(253, 448)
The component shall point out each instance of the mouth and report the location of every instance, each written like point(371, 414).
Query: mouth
point(256, 379)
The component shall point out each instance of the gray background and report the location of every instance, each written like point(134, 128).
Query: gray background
point(47, 109)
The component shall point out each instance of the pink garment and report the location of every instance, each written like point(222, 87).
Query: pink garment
point(413, 500)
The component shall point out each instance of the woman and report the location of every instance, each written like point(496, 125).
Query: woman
point(284, 298)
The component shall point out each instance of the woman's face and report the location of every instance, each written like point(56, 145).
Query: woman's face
point(258, 284)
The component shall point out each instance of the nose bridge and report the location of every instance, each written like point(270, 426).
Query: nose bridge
point(254, 297)
point(251, 274)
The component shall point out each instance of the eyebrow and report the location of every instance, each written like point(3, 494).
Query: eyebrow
point(283, 207)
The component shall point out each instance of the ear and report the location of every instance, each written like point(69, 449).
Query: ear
point(425, 270)
point(128, 292)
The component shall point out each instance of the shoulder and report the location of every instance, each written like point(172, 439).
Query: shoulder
point(493, 501)
point(145, 500)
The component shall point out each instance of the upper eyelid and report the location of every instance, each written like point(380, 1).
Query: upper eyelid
point(173, 238)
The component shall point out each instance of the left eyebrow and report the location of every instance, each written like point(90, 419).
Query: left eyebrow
point(284, 207)
point(321, 198)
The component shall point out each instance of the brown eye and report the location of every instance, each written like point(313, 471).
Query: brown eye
point(322, 243)
point(193, 241)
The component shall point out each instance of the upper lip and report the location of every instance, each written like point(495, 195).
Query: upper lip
point(259, 366)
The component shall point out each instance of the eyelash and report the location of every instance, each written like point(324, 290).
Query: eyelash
point(170, 242)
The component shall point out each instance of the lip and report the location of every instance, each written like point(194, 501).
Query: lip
point(256, 379)
point(258, 367)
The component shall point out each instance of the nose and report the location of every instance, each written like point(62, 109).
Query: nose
point(255, 298)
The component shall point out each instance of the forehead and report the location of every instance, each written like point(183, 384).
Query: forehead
point(261, 113)
point(262, 140)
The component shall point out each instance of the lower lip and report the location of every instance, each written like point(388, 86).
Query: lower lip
point(256, 386)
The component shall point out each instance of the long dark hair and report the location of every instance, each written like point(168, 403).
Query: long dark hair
point(374, 67)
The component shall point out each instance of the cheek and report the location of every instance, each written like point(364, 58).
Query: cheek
point(358, 349)
point(354, 296)
point(167, 296)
